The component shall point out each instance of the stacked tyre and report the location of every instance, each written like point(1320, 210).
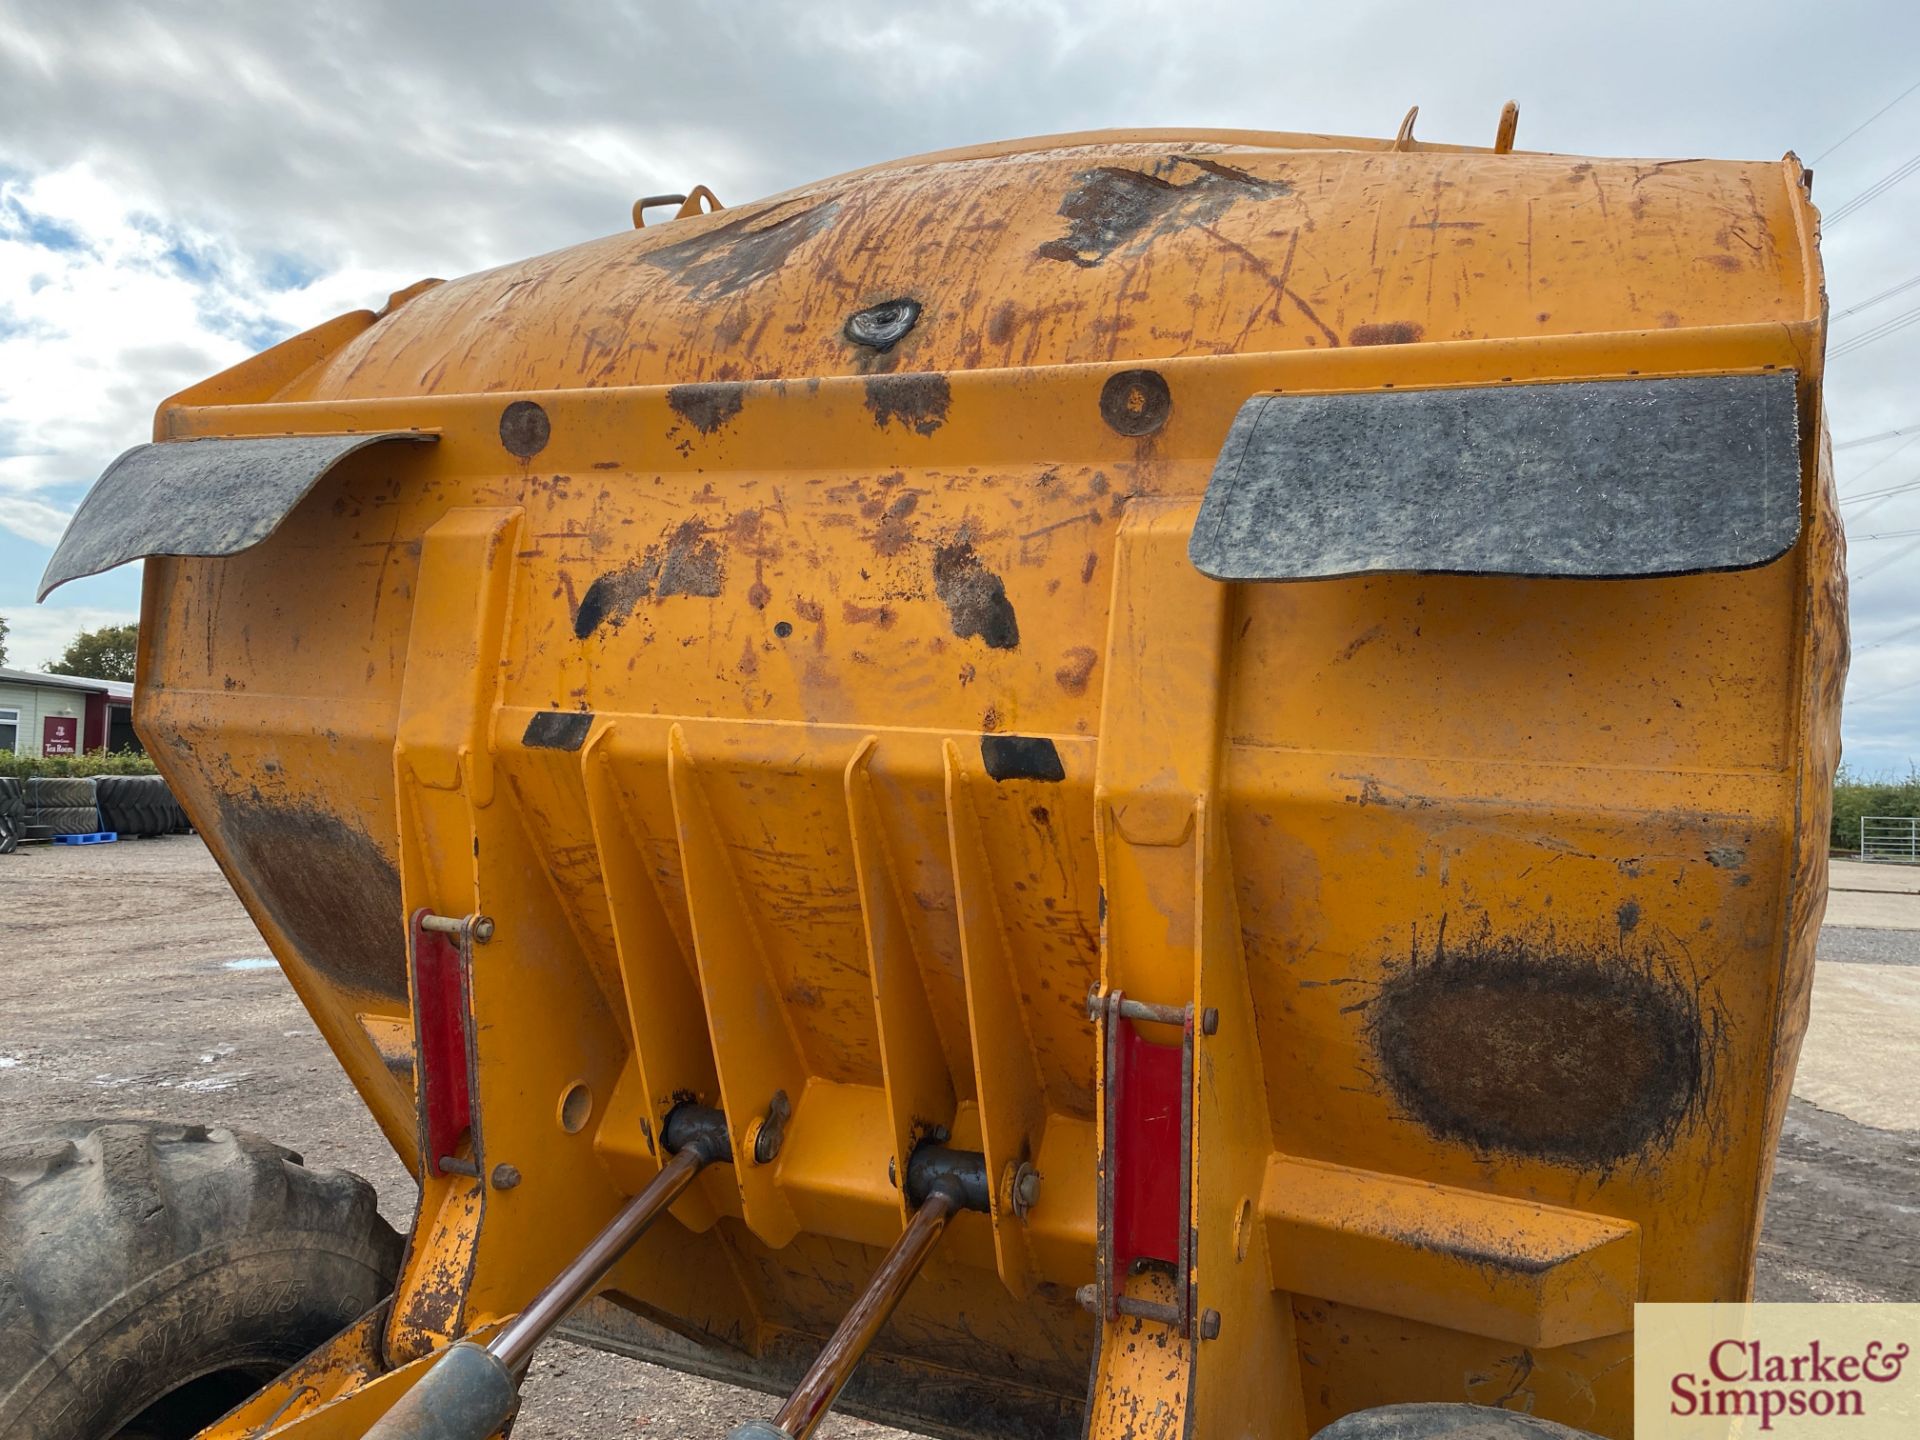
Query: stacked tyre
point(62, 805)
point(138, 805)
point(13, 812)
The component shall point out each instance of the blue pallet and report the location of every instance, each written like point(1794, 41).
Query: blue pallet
point(99, 837)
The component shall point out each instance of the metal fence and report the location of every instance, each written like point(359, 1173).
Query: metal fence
point(1890, 837)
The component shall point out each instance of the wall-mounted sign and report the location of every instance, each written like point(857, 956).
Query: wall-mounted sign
point(61, 735)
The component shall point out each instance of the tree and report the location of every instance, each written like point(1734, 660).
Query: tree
point(3, 639)
point(103, 654)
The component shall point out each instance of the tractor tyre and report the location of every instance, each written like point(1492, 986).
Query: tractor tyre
point(152, 1276)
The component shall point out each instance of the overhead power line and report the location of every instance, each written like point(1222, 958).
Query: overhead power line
point(1889, 639)
point(1886, 294)
point(1873, 192)
point(1865, 123)
point(1884, 561)
point(1911, 439)
point(1890, 326)
point(1881, 494)
point(1876, 439)
point(1882, 694)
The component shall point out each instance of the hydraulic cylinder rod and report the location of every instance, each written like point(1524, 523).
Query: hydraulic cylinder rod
point(470, 1390)
point(954, 1180)
point(514, 1345)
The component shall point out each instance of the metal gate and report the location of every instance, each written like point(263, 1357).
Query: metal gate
point(1890, 837)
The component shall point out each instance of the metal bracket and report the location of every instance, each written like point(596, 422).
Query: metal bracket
point(1136, 1218)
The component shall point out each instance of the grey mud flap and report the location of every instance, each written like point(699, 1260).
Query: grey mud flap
point(198, 497)
point(1592, 479)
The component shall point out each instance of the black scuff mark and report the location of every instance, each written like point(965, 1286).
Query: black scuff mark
point(1113, 206)
point(558, 730)
point(707, 407)
point(1021, 757)
point(1387, 332)
point(729, 257)
point(975, 597)
point(691, 565)
point(326, 884)
point(687, 563)
point(918, 401)
point(1590, 1054)
point(611, 597)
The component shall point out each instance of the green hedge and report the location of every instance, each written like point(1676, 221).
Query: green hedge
point(94, 762)
point(1853, 798)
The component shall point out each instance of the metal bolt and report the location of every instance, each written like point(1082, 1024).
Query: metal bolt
point(480, 927)
point(1209, 1324)
point(1209, 1020)
point(1026, 1189)
point(453, 1165)
point(505, 1177)
point(764, 1136)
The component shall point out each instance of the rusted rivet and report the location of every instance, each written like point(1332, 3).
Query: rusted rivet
point(525, 429)
point(1136, 402)
point(482, 929)
point(1209, 1020)
point(505, 1177)
point(1209, 1324)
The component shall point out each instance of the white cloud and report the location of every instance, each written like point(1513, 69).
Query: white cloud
point(187, 185)
point(40, 634)
point(31, 518)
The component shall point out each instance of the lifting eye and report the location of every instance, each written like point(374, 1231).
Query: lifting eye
point(881, 327)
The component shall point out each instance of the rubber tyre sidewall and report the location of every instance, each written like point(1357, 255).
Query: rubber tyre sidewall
point(258, 1303)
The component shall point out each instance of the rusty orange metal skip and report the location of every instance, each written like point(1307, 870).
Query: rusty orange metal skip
point(1207, 751)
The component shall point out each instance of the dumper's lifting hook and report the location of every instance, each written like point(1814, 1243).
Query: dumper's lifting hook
point(941, 1181)
point(468, 1393)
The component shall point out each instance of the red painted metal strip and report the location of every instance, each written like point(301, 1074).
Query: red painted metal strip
point(446, 1099)
point(1146, 1152)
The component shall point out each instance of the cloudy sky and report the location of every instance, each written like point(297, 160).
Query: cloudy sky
point(183, 184)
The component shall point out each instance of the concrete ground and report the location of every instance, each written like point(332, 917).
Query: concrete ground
point(132, 983)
